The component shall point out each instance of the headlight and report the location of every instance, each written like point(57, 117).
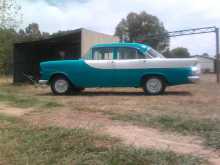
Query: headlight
point(196, 70)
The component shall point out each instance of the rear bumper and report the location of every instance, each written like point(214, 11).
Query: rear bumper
point(43, 82)
point(194, 79)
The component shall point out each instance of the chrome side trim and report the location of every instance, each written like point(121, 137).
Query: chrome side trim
point(43, 82)
point(194, 79)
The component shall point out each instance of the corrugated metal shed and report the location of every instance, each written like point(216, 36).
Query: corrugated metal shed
point(207, 64)
point(71, 45)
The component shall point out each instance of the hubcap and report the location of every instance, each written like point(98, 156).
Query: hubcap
point(154, 85)
point(61, 86)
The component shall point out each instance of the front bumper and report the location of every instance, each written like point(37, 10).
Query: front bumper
point(194, 79)
point(43, 82)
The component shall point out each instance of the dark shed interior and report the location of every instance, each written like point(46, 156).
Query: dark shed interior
point(28, 55)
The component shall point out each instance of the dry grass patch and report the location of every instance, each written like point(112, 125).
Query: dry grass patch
point(21, 143)
point(189, 109)
point(22, 96)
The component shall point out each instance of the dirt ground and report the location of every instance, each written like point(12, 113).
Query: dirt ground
point(90, 110)
point(200, 100)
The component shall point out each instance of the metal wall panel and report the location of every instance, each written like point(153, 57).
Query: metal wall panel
point(90, 38)
point(73, 44)
point(27, 56)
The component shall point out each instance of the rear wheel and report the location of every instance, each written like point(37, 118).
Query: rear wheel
point(154, 85)
point(60, 85)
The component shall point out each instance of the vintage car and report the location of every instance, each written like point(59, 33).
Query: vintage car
point(119, 65)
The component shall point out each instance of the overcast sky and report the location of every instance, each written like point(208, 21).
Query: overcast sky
point(104, 15)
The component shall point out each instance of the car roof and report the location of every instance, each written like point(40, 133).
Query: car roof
point(141, 47)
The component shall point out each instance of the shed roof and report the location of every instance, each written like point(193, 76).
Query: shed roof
point(55, 37)
point(51, 39)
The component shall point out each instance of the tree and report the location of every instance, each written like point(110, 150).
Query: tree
point(205, 55)
point(167, 53)
point(7, 38)
point(61, 33)
point(32, 32)
point(143, 27)
point(180, 52)
point(10, 16)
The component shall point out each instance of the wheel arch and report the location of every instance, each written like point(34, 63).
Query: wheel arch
point(60, 74)
point(146, 76)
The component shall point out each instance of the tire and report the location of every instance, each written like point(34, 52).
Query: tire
point(60, 85)
point(154, 85)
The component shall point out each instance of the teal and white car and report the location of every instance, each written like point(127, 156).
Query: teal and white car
point(119, 65)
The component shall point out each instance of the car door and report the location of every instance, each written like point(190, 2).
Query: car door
point(100, 72)
point(128, 67)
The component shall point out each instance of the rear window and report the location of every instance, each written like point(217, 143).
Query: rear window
point(103, 54)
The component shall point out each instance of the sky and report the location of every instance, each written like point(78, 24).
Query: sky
point(104, 15)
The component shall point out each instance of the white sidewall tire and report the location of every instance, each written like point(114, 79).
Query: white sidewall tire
point(60, 85)
point(154, 86)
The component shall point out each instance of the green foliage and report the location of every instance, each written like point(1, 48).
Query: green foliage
point(21, 143)
point(10, 16)
point(205, 55)
point(61, 33)
point(180, 52)
point(31, 33)
point(138, 27)
point(7, 39)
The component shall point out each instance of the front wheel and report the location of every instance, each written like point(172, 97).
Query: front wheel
point(154, 86)
point(60, 85)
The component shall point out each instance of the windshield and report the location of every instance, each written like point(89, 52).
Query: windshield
point(153, 53)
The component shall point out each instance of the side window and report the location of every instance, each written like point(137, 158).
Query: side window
point(129, 53)
point(103, 54)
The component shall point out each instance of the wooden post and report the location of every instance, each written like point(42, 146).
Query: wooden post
point(217, 55)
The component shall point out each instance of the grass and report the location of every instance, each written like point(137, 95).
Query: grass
point(21, 143)
point(207, 128)
point(15, 98)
